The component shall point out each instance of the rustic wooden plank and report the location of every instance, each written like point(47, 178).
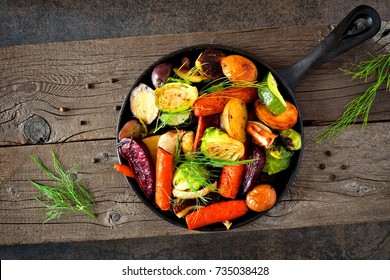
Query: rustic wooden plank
point(340, 183)
point(90, 78)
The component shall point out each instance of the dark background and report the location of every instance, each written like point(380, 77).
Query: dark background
point(34, 22)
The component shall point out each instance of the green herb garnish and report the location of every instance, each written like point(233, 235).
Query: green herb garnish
point(378, 67)
point(67, 196)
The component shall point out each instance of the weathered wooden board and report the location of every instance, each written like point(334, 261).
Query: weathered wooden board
point(342, 183)
point(91, 78)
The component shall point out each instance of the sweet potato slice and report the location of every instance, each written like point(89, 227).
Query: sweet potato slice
point(283, 121)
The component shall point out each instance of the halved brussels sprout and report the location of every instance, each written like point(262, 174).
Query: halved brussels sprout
point(279, 152)
point(219, 145)
point(175, 97)
point(190, 176)
point(291, 139)
point(274, 165)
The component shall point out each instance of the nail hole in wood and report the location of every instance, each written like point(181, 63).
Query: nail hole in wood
point(36, 130)
point(115, 217)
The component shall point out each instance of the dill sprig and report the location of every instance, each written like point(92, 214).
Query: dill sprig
point(223, 83)
point(200, 159)
point(378, 67)
point(67, 196)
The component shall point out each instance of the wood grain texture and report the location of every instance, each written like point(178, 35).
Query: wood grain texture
point(90, 78)
point(342, 183)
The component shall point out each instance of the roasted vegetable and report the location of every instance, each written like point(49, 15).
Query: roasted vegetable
point(270, 95)
point(164, 174)
point(189, 194)
point(238, 68)
point(203, 123)
point(190, 76)
point(176, 119)
point(187, 142)
point(253, 169)
point(230, 180)
point(219, 145)
point(166, 151)
point(125, 170)
point(190, 176)
point(261, 198)
point(151, 142)
point(170, 140)
point(234, 118)
point(133, 128)
point(274, 165)
point(175, 97)
point(291, 139)
point(261, 134)
point(138, 156)
point(160, 74)
point(246, 94)
point(215, 102)
point(181, 207)
point(142, 103)
point(283, 121)
point(216, 213)
point(209, 63)
point(279, 152)
point(206, 106)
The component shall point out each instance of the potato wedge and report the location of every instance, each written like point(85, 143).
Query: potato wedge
point(234, 118)
point(283, 121)
point(238, 68)
point(151, 142)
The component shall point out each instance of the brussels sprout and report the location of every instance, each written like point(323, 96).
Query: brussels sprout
point(175, 119)
point(279, 152)
point(190, 176)
point(291, 139)
point(217, 144)
point(175, 97)
point(274, 165)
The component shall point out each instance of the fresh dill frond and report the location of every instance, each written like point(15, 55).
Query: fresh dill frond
point(68, 195)
point(198, 158)
point(377, 67)
point(223, 83)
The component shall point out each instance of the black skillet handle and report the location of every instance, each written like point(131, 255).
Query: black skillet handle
point(358, 26)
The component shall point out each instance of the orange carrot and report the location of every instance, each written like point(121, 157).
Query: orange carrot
point(125, 170)
point(230, 180)
point(246, 94)
point(214, 103)
point(164, 174)
point(203, 123)
point(216, 212)
point(206, 106)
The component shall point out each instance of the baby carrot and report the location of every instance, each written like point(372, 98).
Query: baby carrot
point(164, 174)
point(230, 180)
point(216, 212)
point(206, 106)
point(125, 170)
point(215, 102)
point(246, 94)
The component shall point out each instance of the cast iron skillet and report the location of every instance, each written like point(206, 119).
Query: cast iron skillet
point(358, 26)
